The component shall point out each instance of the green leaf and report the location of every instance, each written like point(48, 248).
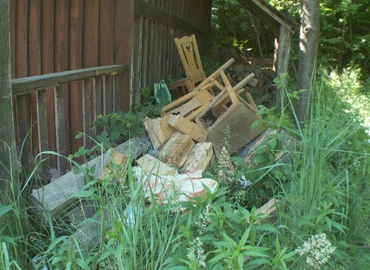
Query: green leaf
point(79, 135)
point(255, 124)
point(272, 143)
point(238, 161)
point(258, 159)
point(4, 209)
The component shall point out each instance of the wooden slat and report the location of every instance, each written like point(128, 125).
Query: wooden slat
point(106, 42)
point(61, 95)
point(75, 62)
point(34, 63)
point(35, 83)
point(22, 71)
point(138, 59)
point(87, 108)
point(47, 66)
point(155, 13)
point(60, 124)
point(124, 26)
point(97, 109)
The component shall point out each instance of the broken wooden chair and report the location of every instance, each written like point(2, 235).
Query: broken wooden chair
point(189, 54)
point(238, 117)
point(193, 103)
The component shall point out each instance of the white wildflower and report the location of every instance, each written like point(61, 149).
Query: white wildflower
point(196, 252)
point(317, 250)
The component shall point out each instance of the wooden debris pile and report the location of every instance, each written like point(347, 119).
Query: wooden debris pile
point(262, 81)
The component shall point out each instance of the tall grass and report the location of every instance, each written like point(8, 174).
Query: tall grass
point(327, 191)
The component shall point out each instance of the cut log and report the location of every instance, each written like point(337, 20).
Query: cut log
point(151, 165)
point(268, 208)
point(114, 162)
point(159, 131)
point(199, 157)
point(188, 127)
point(175, 151)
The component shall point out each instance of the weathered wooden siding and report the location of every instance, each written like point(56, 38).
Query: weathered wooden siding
point(50, 36)
point(58, 35)
point(157, 23)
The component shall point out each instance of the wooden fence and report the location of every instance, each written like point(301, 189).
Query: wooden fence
point(96, 83)
point(53, 36)
point(157, 23)
point(49, 36)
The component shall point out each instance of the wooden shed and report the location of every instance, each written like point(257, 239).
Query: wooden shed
point(72, 60)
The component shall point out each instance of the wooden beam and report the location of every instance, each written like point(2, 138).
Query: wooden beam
point(267, 14)
point(30, 84)
point(149, 11)
point(283, 55)
point(8, 154)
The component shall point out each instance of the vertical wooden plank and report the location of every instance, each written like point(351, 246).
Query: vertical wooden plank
point(47, 66)
point(61, 92)
point(60, 124)
point(123, 38)
point(106, 21)
point(91, 44)
point(144, 69)
point(97, 109)
point(34, 63)
point(75, 62)
point(22, 71)
point(13, 20)
point(137, 60)
point(8, 152)
point(86, 102)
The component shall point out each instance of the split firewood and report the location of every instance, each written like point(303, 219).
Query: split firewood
point(151, 165)
point(159, 131)
point(188, 127)
point(175, 151)
point(268, 208)
point(113, 163)
point(199, 157)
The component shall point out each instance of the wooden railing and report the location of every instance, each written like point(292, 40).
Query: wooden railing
point(100, 94)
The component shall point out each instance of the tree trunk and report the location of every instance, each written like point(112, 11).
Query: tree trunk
point(309, 38)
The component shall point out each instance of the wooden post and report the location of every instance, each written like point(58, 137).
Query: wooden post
point(283, 58)
point(8, 153)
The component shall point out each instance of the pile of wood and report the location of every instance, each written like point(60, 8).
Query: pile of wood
point(262, 81)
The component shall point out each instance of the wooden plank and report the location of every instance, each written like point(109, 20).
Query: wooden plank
point(152, 165)
point(22, 71)
point(175, 151)
point(108, 94)
point(188, 127)
point(34, 64)
point(86, 103)
point(145, 42)
point(199, 157)
point(60, 127)
point(61, 93)
point(8, 150)
point(283, 59)
point(29, 84)
point(75, 62)
point(159, 131)
point(47, 66)
point(124, 27)
point(106, 42)
point(152, 12)
point(137, 61)
point(97, 108)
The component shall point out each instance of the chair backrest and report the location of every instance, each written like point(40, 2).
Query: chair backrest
point(189, 54)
